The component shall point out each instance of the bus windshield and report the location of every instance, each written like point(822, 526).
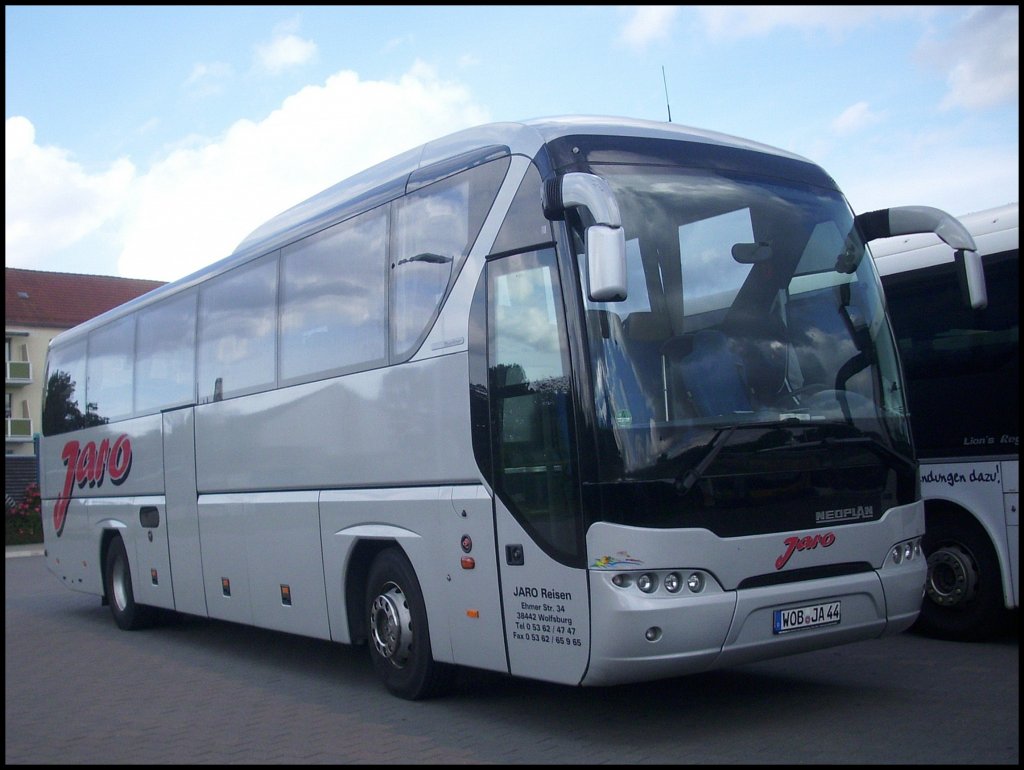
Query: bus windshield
point(752, 319)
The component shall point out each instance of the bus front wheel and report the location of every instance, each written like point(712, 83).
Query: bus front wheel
point(398, 637)
point(963, 593)
point(117, 579)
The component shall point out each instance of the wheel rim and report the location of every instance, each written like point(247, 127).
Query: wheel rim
point(119, 583)
point(952, 577)
point(391, 626)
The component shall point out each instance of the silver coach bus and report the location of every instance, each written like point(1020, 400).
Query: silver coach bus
point(588, 401)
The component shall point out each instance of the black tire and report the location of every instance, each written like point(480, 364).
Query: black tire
point(397, 631)
point(964, 592)
point(117, 582)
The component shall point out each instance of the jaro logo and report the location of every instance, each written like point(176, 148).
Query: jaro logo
point(794, 544)
point(91, 465)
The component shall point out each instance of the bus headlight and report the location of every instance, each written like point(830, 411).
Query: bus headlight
point(673, 582)
point(905, 551)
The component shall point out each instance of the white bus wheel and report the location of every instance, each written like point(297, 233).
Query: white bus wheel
point(117, 579)
point(398, 635)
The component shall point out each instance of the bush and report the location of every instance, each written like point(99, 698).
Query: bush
point(23, 521)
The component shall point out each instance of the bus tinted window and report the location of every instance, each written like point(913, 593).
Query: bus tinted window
point(433, 232)
point(959, 362)
point(109, 369)
point(524, 224)
point(334, 300)
point(529, 372)
point(165, 366)
point(64, 403)
point(237, 331)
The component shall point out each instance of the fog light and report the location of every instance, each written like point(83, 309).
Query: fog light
point(652, 634)
point(647, 583)
point(897, 554)
point(673, 582)
point(621, 580)
point(695, 582)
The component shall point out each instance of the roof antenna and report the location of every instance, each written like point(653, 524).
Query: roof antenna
point(665, 81)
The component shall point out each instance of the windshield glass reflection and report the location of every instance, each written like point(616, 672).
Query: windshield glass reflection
point(750, 305)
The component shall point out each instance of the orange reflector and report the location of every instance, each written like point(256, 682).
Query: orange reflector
point(153, 576)
point(468, 562)
point(472, 613)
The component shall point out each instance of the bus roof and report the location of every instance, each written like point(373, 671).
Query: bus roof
point(994, 230)
point(391, 178)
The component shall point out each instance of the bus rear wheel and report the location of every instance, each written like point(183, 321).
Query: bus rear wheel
point(963, 592)
point(117, 580)
point(399, 639)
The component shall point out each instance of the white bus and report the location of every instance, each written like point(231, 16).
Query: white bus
point(962, 368)
point(588, 401)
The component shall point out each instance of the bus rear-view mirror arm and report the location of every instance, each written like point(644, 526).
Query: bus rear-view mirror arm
point(908, 220)
point(605, 239)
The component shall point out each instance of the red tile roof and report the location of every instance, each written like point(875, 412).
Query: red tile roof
point(63, 300)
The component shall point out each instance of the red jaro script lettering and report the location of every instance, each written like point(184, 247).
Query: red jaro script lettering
point(90, 465)
point(803, 544)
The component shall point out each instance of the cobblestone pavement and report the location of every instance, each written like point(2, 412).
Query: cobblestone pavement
point(194, 691)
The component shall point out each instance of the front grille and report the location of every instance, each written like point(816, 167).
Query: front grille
point(806, 573)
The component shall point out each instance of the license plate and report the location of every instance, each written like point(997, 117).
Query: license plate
point(810, 616)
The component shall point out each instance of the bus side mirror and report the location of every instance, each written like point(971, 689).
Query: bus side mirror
point(606, 263)
point(972, 278)
point(908, 220)
point(605, 239)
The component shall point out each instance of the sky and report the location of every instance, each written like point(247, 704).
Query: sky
point(149, 141)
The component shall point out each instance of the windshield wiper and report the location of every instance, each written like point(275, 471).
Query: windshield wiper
point(685, 481)
point(875, 444)
point(878, 446)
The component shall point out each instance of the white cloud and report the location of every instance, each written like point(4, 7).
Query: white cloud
point(196, 205)
point(735, 22)
point(854, 118)
point(50, 200)
point(404, 41)
point(208, 78)
point(203, 198)
point(937, 169)
point(284, 51)
point(648, 23)
point(982, 55)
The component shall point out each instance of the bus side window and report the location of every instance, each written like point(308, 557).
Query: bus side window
point(433, 230)
point(531, 400)
point(524, 223)
point(109, 369)
point(165, 364)
point(238, 329)
point(64, 401)
point(334, 299)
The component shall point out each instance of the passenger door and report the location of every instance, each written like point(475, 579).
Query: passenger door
point(541, 552)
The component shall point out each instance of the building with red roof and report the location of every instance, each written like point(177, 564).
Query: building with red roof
point(37, 306)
